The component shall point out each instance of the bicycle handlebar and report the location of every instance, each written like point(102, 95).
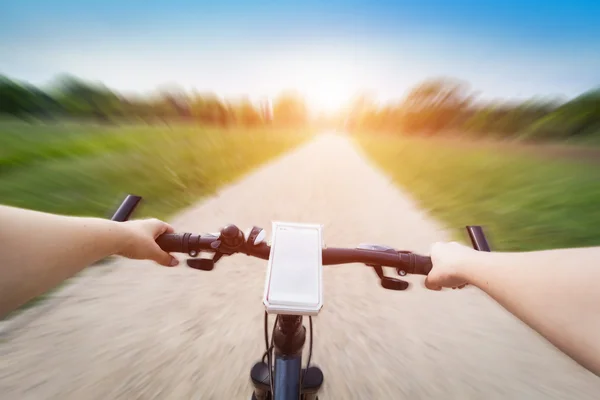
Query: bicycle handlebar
point(193, 244)
point(231, 240)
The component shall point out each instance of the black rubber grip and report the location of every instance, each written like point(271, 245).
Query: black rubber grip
point(423, 264)
point(126, 208)
point(478, 239)
point(173, 242)
point(414, 264)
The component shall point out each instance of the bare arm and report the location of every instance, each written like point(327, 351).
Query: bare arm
point(555, 292)
point(39, 250)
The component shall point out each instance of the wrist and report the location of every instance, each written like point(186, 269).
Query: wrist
point(117, 236)
point(470, 263)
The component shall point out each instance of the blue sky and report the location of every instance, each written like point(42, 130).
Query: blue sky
point(328, 50)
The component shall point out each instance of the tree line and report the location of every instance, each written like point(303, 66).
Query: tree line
point(447, 106)
point(70, 97)
point(438, 106)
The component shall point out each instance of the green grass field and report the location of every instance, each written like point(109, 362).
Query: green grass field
point(525, 201)
point(87, 170)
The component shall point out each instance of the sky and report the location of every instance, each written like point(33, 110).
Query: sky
point(328, 50)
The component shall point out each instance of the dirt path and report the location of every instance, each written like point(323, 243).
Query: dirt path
point(144, 332)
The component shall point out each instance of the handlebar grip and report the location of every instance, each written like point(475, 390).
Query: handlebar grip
point(414, 263)
point(423, 265)
point(172, 242)
point(126, 208)
point(478, 239)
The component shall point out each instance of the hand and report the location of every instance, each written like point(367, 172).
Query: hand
point(448, 260)
point(140, 241)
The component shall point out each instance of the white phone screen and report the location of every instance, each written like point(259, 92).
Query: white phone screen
point(294, 281)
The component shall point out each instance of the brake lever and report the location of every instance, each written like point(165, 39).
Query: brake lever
point(394, 284)
point(389, 282)
point(204, 264)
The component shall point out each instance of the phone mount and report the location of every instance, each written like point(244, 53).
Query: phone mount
point(228, 242)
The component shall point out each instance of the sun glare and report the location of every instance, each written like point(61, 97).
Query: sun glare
point(327, 94)
point(326, 89)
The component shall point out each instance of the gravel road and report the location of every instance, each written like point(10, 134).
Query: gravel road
point(132, 330)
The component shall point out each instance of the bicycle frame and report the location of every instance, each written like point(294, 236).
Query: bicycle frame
point(288, 341)
point(287, 377)
point(289, 381)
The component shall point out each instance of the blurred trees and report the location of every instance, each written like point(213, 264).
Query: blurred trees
point(438, 106)
point(578, 117)
point(245, 113)
point(210, 110)
point(444, 106)
point(85, 100)
point(70, 97)
point(290, 109)
point(22, 100)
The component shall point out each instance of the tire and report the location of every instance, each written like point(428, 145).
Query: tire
point(253, 397)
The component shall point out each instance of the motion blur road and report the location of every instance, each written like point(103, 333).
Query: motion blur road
point(133, 330)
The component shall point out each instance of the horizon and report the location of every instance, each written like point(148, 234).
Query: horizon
point(327, 52)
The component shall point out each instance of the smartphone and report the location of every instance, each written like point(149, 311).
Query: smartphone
point(294, 283)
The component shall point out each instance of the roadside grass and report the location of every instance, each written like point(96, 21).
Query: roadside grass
point(88, 170)
point(84, 170)
point(524, 200)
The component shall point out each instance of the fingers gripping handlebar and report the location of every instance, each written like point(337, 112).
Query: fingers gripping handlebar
point(231, 240)
point(184, 242)
point(172, 242)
